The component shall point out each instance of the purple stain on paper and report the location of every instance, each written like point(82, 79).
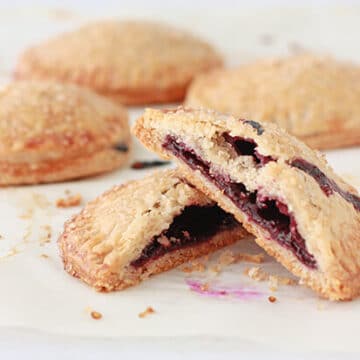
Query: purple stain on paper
point(223, 291)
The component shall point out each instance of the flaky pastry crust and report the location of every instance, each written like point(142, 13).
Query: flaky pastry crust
point(329, 223)
point(54, 132)
point(99, 244)
point(315, 98)
point(132, 62)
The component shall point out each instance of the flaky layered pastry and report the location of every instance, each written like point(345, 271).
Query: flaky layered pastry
point(315, 98)
point(143, 228)
point(282, 191)
point(131, 62)
point(53, 132)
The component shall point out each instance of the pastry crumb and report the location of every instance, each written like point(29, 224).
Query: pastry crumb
point(69, 201)
point(96, 315)
point(273, 283)
point(227, 258)
point(46, 238)
point(258, 274)
point(44, 256)
point(253, 258)
point(149, 310)
point(205, 287)
point(272, 299)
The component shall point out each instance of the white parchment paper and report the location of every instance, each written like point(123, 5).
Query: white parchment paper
point(37, 294)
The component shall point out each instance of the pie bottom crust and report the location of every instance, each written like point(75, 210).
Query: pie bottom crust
point(102, 279)
point(333, 140)
point(330, 288)
point(62, 169)
point(145, 96)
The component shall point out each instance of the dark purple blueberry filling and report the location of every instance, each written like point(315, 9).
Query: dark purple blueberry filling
point(327, 185)
point(138, 165)
point(255, 125)
point(270, 214)
point(194, 225)
point(247, 147)
point(121, 147)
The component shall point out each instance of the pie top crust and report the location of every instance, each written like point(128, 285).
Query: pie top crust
point(306, 94)
point(45, 121)
point(115, 55)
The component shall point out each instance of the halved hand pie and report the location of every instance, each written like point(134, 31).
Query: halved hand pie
point(142, 228)
point(283, 192)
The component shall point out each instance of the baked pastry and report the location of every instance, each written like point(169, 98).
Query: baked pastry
point(314, 98)
point(143, 228)
point(131, 62)
point(282, 191)
point(53, 132)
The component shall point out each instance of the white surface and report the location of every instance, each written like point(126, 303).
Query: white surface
point(40, 301)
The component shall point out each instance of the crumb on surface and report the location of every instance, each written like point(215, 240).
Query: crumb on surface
point(253, 258)
point(227, 258)
point(96, 315)
point(12, 252)
point(46, 238)
point(272, 299)
point(149, 310)
point(205, 287)
point(273, 283)
point(258, 274)
point(44, 256)
point(69, 201)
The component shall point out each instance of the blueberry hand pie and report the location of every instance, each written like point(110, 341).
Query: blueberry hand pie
point(143, 228)
point(315, 98)
point(282, 191)
point(53, 132)
point(131, 62)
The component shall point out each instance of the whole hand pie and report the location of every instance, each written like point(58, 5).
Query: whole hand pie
point(314, 98)
point(53, 132)
point(143, 228)
point(131, 62)
point(283, 192)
